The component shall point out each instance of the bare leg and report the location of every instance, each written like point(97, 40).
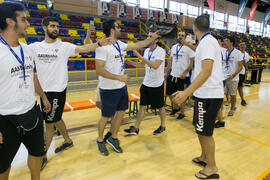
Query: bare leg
point(98, 104)
point(101, 126)
point(117, 123)
point(4, 176)
point(49, 135)
point(34, 164)
point(233, 102)
point(220, 114)
point(183, 106)
point(208, 144)
point(175, 106)
point(140, 116)
point(162, 114)
point(61, 126)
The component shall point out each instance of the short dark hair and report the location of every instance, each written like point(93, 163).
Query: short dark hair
point(202, 23)
point(107, 26)
point(46, 21)
point(8, 10)
point(183, 30)
point(231, 39)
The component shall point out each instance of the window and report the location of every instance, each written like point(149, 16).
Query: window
point(255, 27)
point(183, 8)
point(232, 23)
point(156, 4)
point(131, 2)
point(193, 11)
point(106, 0)
point(144, 4)
point(219, 19)
point(174, 7)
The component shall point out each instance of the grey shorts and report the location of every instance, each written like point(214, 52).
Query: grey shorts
point(231, 88)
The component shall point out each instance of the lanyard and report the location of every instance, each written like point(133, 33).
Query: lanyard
point(119, 50)
point(244, 55)
point(178, 50)
point(21, 61)
point(150, 54)
point(228, 57)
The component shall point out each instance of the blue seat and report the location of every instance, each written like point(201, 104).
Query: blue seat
point(82, 33)
point(32, 6)
point(31, 40)
point(40, 31)
point(78, 41)
point(79, 65)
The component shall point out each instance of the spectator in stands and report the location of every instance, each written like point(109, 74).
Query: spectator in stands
point(113, 89)
point(234, 64)
point(243, 73)
point(51, 64)
point(181, 64)
point(152, 88)
point(21, 120)
point(207, 88)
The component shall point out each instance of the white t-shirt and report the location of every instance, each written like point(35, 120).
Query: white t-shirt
point(246, 59)
point(16, 97)
point(51, 64)
point(232, 62)
point(113, 64)
point(181, 62)
point(223, 56)
point(154, 77)
point(209, 48)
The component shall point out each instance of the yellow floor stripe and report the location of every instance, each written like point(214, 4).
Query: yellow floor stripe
point(251, 139)
point(263, 175)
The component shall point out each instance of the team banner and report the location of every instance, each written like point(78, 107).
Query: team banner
point(162, 17)
point(266, 17)
point(144, 14)
point(169, 18)
point(122, 11)
point(150, 15)
point(105, 9)
point(130, 12)
point(174, 19)
point(211, 4)
point(156, 16)
point(137, 12)
point(253, 9)
point(241, 7)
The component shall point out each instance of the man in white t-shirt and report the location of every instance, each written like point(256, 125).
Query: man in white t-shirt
point(233, 66)
point(21, 120)
point(243, 73)
point(52, 71)
point(181, 64)
point(207, 88)
point(112, 81)
point(152, 88)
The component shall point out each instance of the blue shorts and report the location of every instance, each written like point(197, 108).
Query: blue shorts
point(113, 100)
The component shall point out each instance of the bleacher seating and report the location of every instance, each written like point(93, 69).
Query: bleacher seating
point(31, 31)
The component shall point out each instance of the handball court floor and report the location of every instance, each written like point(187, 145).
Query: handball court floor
point(242, 147)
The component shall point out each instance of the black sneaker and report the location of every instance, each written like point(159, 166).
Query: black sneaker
point(132, 130)
point(174, 111)
point(180, 116)
point(107, 136)
point(159, 130)
point(44, 163)
point(115, 144)
point(219, 124)
point(64, 146)
point(102, 148)
point(243, 103)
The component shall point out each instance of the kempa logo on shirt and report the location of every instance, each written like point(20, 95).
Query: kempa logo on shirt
point(55, 106)
point(199, 125)
point(47, 56)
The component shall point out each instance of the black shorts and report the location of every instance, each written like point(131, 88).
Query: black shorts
point(57, 101)
point(153, 96)
point(176, 84)
point(242, 79)
point(205, 113)
point(32, 137)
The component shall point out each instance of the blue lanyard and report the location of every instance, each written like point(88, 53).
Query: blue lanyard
point(228, 57)
point(150, 55)
point(21, 61)
point(204, 36)
point(119, 50)
point(244, 55)
point(178, 50)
